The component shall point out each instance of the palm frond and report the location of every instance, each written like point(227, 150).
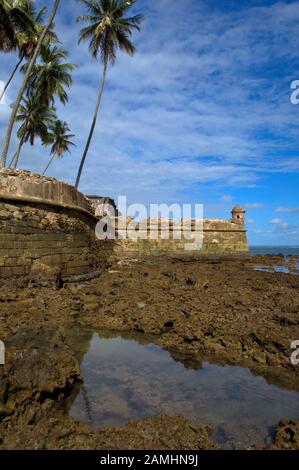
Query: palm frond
point(108, 28)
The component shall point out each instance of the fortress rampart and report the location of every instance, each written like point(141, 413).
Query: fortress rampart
point(48, 230)
point(160, 237)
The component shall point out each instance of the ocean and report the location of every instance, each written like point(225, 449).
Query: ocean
point(274, 250)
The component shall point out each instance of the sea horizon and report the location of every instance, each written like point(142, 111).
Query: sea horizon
point(274, 249)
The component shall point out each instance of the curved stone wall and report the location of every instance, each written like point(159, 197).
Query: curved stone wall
point(47, 229)
point(23, 186)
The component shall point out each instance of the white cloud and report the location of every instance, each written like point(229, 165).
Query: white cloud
point(254, 205)
point(290, 210)
point(285, 227)
point(227, 198)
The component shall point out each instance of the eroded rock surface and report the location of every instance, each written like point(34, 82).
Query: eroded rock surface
point(222, 309)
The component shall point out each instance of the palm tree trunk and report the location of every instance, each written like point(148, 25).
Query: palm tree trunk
point(51, 160)
point(23, 87)
point(11, 77)
point(15, 160)
point(18, 153)
point(93, 125)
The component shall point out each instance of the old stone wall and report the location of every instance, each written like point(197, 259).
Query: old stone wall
point(35, 235)
point(220, 238)
point(46, 229)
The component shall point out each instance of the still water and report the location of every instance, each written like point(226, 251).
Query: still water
point(274, 250)
point(125, 379)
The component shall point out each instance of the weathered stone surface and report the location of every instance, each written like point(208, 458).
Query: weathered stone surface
point(19, 184)
point(44, 275)
point(161, 237)
point(47, 230)
point(220, 310)
point(287, 436)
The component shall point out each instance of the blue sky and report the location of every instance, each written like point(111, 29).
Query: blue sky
point(201, 113)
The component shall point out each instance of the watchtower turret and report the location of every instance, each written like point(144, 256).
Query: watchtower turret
point(238, 215)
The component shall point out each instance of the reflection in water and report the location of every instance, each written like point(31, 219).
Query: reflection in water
point(278, 269)
point(125, 380)
point(291, 266)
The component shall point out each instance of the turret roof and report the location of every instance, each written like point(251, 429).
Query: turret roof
point(238, 208)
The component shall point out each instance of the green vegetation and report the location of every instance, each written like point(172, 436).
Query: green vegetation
point(47, 73)
point(60, 138)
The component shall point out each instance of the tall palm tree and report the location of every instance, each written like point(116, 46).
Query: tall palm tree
point(60, 138)
point(36, 119)
point(48, 78)
point(51, 75)
point(26, 40)
point(13, 20)
point(24, 84)
point(108, 30)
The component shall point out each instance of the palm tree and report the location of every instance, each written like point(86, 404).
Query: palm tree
point(60, 137)
point(27, 39)
point(24, 84)
point(50, 76)
point(36, 118)
point(108, 30)
point(13, 20)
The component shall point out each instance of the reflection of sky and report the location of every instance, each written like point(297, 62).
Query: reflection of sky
point(202, 113)
point(124, 380)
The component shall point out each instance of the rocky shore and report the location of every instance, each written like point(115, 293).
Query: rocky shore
point(225, 310)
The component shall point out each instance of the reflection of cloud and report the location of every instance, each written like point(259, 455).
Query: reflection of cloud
point(290, 210)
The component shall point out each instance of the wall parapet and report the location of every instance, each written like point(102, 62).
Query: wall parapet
point(24, 186)
point(198, 238)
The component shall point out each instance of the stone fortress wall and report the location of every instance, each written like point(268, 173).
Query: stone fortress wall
point(47, 228)
point(220, 238)
point(161, 237)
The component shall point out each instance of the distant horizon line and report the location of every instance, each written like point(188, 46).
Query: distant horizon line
point(272, 246)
